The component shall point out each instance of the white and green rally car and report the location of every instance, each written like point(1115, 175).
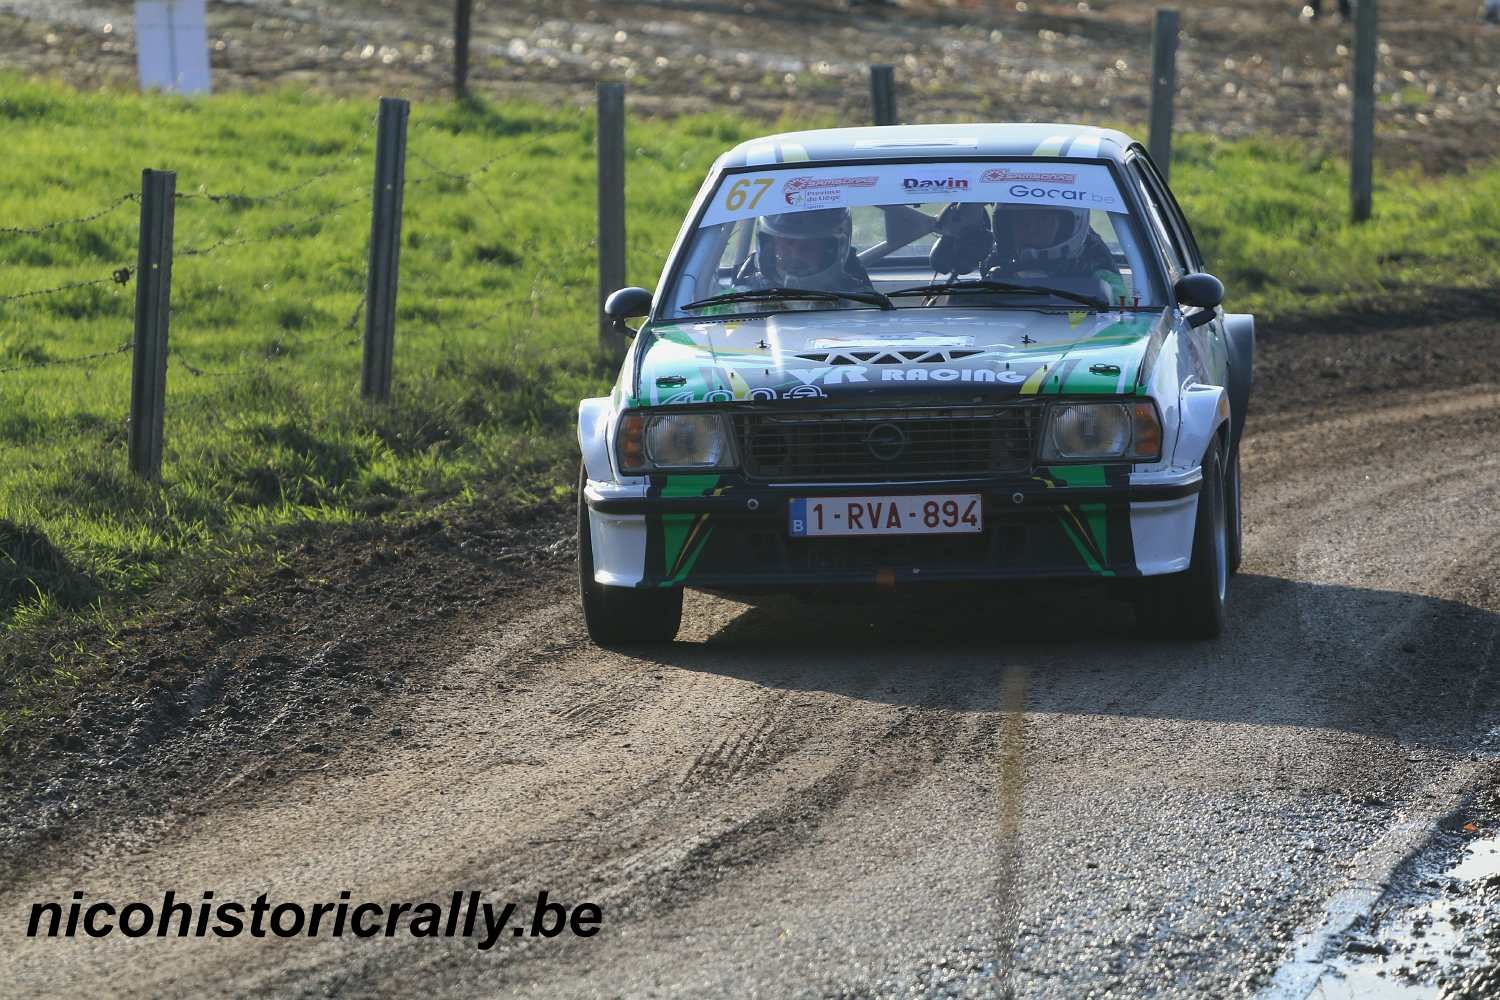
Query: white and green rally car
point(906, 355)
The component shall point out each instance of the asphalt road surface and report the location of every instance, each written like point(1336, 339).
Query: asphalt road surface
point(1006, 793)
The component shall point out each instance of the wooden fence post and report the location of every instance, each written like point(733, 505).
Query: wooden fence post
point(611, 153)
point(1163, 89)
point(153, 310)
point(463, 17)
point(1362, 144)
point(883, 94)
point(385, 250)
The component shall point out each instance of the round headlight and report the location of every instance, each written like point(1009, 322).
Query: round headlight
point(688, 440)
point(1090, 430)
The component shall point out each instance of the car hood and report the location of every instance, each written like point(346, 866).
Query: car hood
point(860, 355)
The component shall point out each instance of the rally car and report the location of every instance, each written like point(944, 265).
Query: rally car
point(907, 355)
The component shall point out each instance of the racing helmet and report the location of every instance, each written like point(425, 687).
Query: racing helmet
point(805, 249)
point(1070, 231)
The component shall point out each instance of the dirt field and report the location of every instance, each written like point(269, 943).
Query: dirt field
point(1244, 68)
point(895, 798)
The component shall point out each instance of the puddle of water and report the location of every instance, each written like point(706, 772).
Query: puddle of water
point(1439, 932)
point(1481, 860)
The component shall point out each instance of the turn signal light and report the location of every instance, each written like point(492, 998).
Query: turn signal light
point(1147, 431)
point(632, 443)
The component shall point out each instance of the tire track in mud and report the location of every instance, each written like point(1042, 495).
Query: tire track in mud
point(737, 752)
point(800, 783)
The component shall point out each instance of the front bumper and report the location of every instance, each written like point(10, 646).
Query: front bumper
point(724, 532)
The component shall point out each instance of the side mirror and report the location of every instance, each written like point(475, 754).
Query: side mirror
point(627, 303)
point(1201, 290)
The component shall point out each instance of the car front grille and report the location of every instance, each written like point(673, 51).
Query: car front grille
point(887, 445)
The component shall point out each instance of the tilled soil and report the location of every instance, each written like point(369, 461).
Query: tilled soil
point(1243, 68)
point(894, 797)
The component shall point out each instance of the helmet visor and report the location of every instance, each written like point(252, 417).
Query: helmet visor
point(1039, 227)
point(803, 257)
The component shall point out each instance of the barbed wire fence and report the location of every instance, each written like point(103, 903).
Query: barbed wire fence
point(118, 276)
point(376, 306)
point(159, 252)
point(150, 346)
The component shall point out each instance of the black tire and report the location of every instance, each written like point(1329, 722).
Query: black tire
point(1191, 604)
point(1233, 496)
point(621, 615)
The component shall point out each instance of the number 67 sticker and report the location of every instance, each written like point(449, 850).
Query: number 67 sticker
point(747, 193)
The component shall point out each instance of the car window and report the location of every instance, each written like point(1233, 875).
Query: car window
point(869, 222)
point(1060, 227)
point(1169, 240)
point(1174, 213)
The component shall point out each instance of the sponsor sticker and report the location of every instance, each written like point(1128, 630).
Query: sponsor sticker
point(998, 175)
point(1030, 192)
point(938, 185)
point(925, 374)
point(890, 340)
point(818, 192)
point(805, 188)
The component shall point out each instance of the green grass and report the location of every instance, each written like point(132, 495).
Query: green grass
point(495, 325)
point(495, 320)
point(1273, 220)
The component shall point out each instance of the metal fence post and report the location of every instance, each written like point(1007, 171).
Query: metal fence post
point(463, 17)
point(385, 249)
point(883, 94)
point(1362, 145)
point(153, 307)
point(1163, 88)
point(611, 143)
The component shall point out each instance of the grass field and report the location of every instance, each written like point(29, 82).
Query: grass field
point(495, 326)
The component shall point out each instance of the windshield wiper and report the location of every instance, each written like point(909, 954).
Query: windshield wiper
point(772, 294)
point(986, 285)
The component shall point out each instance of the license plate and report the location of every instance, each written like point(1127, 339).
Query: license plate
point(926, 514)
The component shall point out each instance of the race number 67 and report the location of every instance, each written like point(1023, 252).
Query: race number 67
point(739, 191)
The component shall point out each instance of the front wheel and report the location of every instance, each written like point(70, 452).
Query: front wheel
point(621, 615)
point(1191, 604)
point(1236, 511)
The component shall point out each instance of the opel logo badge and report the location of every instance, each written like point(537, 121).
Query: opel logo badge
point(885, 442)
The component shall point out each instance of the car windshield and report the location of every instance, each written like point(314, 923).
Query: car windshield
point(1011, 234)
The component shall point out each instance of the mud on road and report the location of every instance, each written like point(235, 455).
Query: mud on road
point(894, 797)
point(1243, 69)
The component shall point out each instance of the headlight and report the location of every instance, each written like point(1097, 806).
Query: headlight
point(673, 441)
point(1079, 432)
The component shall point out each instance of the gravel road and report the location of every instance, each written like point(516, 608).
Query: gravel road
point(935, 796)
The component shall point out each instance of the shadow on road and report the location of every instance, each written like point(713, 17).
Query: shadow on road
point(1410, 668)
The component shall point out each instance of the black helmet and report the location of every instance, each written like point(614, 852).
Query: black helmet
point(1070, 226)
point(806, 249)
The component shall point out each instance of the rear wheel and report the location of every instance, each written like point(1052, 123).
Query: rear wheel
point(1190, 604)
point(621, 615)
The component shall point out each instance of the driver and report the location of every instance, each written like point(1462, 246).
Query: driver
point(1037, 242)
point(805, 250)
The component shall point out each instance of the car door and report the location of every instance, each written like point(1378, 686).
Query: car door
point(1183, 257)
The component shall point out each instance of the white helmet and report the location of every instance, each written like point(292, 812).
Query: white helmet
point(1071, 232)
point(804, 249)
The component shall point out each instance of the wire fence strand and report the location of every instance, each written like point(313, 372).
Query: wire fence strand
point(173, 358)
point(119, 277)
point(75, 360)
point(437, 171)
point(61, 223)
point(240, 198)
point(275, 233)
